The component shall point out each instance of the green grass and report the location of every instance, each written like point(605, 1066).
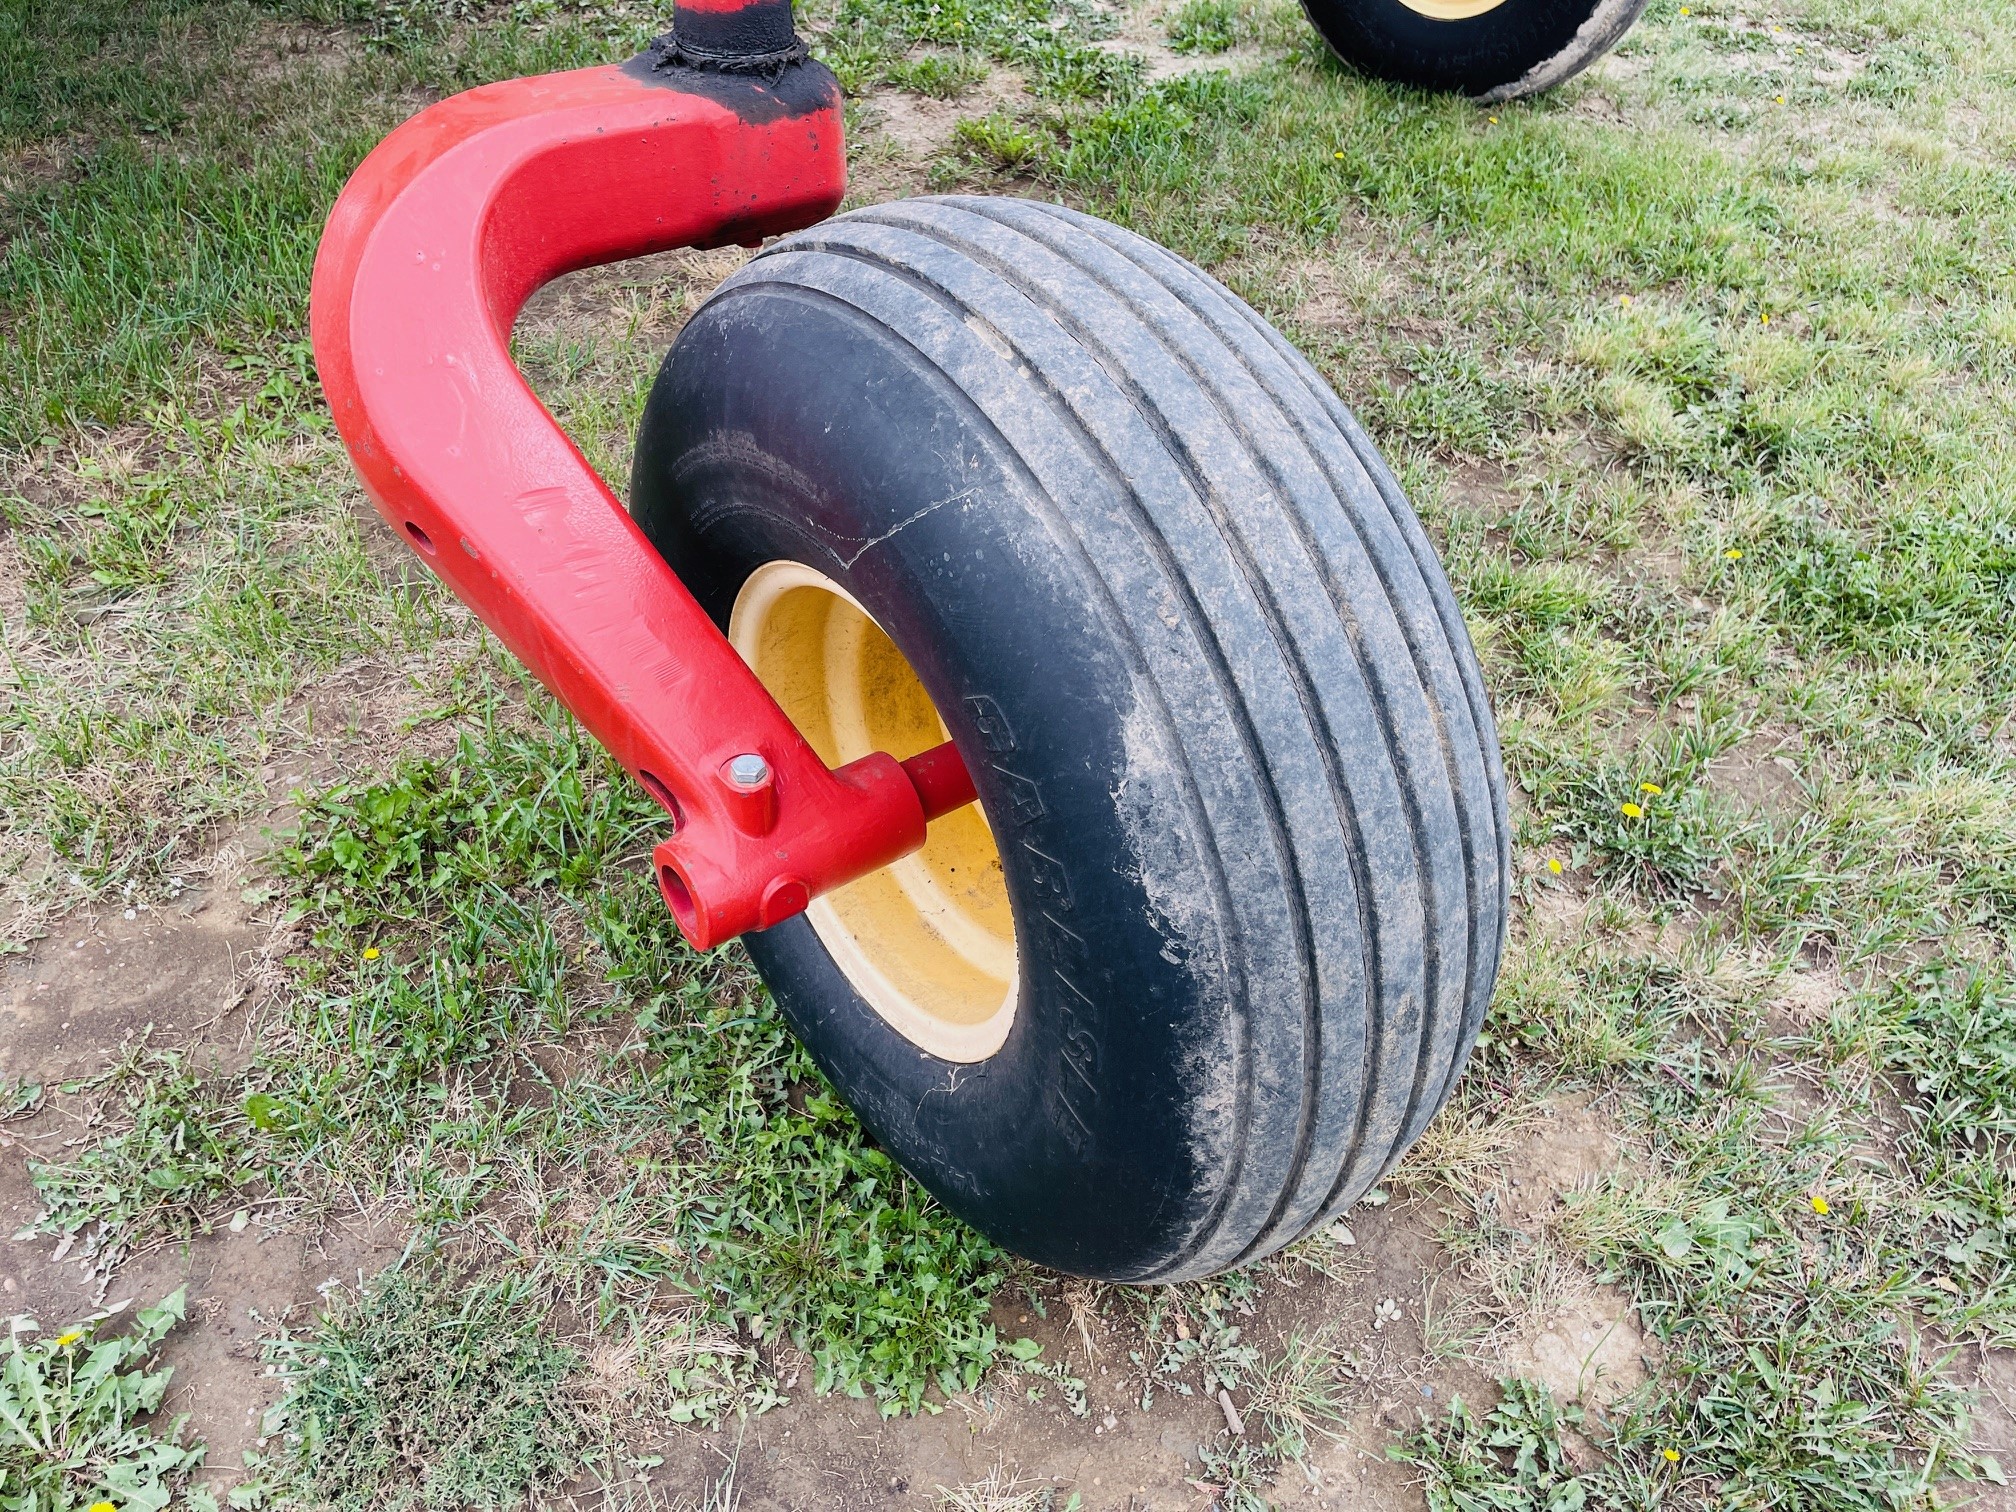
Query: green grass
point(431, 1389)
point(493, 914)
point(1216, 26)
point(1708, 400)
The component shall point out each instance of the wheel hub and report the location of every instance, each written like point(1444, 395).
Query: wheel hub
point(929, 940)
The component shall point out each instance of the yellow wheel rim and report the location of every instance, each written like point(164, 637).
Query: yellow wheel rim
point(1451, 10)
point(929, 941)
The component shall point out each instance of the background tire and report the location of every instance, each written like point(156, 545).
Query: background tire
point(1489, 49)
point(1225, 722)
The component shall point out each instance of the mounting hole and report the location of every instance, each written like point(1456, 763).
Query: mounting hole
point(420, 538)
point(678, 897)
point(655, 786)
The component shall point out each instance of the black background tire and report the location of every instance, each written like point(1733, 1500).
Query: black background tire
point(1222, 713)
point(1518, 47)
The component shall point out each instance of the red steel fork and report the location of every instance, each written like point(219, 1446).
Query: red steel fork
point(723, 133)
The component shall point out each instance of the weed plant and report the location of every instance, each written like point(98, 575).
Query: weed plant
point(79, 1424)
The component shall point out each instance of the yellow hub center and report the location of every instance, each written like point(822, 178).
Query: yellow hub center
point(929, 941)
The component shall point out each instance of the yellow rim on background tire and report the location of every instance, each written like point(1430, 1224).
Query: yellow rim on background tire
point(929, 941)
point(1451, 10)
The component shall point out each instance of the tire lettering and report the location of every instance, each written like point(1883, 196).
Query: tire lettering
point(1075, 1083)
point(1073, 1091)
point(1069, 1122)
point(1065, 947)
point(1025, 801)
point(1046, 875)
point(991, 724)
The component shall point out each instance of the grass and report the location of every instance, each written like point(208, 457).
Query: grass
point(432, 1389)
point(1701, 372)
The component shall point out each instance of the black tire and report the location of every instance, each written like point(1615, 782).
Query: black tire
point(1224, 717)
point(1517, 48)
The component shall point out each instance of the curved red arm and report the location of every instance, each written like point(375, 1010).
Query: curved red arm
point(432, 249)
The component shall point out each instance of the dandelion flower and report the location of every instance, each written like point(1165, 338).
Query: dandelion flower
point(1767, 313)
point(1492, 119)
point(101, 1507)
point(1338, 155)
point(1671, 1456)
point(1554, 865)
point(70, 1338)
point(1734, 553)
point(1685, 11)
point(1651, 787)
point(1820, 1206)
point(370, 952)
point(1632, 811)
point(1623, 299)
point(1781, 101)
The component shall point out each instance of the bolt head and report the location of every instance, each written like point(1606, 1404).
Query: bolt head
point(748, 770)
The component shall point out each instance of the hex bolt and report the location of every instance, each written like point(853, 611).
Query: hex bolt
point(748, 770)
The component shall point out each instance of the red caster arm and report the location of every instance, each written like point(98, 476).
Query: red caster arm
point(432, 249)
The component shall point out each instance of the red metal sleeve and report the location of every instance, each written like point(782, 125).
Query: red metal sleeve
point(430, 252)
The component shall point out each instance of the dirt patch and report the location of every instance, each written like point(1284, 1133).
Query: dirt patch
point(919, 125)
point(1768, 772)
point(1589, 1348)
point(1991, 1375)
point(1805, 998)
point(179, 973)
point(1144, 32)
point(280, 52)
point(1585, 1343)
point(904, 133)
point(1567, 1146)
point(1344, 295)
point(1529, 1305)
point(178, 969)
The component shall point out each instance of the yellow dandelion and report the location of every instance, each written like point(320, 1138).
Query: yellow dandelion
point(1651, 787)
point(1767, 314)
point(1338, 155)
point(1624, 299)
point(1554, 865)
point(1734, 553)
point(101, 1507)
point(1671, 1456)
point(1685, 11)
point(1820, 1206)
point(69, 1338)
point(1492, 119)
point(370, 952)
point(1781, 100)
point(1632, 811)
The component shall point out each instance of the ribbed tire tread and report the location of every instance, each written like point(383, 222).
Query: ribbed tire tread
point(1318, 678)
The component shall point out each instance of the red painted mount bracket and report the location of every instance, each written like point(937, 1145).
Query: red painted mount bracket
point(432, 249)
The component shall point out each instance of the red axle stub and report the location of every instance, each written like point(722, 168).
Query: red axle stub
point(433, 247)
